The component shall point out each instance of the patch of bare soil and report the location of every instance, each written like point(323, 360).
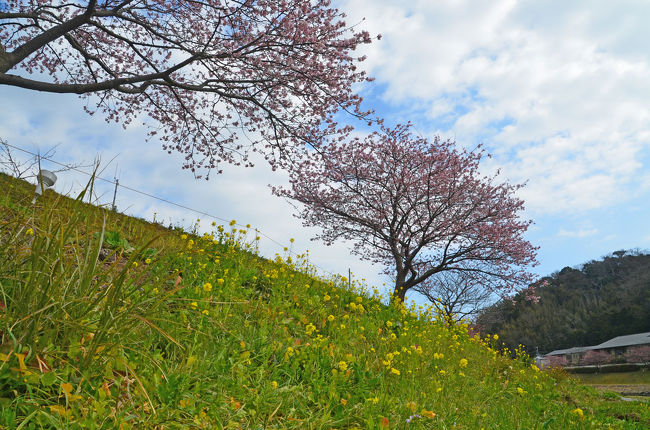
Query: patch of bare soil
point(628, 390)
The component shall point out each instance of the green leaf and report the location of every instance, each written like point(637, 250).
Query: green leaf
point(47, 379)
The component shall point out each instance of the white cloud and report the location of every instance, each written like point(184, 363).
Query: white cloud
point(557, 92)
point(582, 233)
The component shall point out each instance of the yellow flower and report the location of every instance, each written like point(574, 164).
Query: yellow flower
point(427, 414)
point(342, 326)
point(331, 318)
point(57, 409)
point(462, 363)
point(389, 324)
point(207, 287)
point(274, 384)
point(326, 298)
point(395, 371)
point(578, 412)
point(393, 336)
point(205, 312)
point(67, 387)
point(310, 328)
point(373, 400)
point(147, 261)
point(183, 236)
point(520, 391)
point(194, 305)
point(220, 281)
point(442, 372)
point(29, 232)
point(343, 366)
point(344, 402)
point(496, 337)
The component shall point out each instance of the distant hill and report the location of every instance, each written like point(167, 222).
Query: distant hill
point(579, 306)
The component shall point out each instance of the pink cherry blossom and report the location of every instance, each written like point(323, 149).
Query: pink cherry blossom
point(417, 206)
point(217, 79)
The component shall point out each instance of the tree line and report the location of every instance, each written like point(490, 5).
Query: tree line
point(577, 306)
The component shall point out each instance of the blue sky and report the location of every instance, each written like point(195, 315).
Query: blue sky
point(558, 93)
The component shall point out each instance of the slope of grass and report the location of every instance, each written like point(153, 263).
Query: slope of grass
point(638, 377)
point(164, 329)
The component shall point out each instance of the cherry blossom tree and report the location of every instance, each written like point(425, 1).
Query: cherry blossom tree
point(638, 354)
point(205, 72)
point(596, 357)
point(419, 207)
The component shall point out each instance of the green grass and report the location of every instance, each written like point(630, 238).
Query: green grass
point(164, 329)
point(639, 377)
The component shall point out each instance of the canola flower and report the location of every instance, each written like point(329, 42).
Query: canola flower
point(579, 413)
point(207, 287)
point(310, 328)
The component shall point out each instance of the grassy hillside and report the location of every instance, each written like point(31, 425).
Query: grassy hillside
point(111, 322)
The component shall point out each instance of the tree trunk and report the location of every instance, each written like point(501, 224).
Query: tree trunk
point(400, 289)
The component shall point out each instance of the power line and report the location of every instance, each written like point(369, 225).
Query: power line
point(152, 196)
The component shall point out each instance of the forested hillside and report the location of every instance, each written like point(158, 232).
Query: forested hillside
point(578, 306)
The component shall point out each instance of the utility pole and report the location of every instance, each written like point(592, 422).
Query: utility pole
point(117, 182)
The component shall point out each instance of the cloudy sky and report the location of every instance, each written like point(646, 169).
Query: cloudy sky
point(558, 92)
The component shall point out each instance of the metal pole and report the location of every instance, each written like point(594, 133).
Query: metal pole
point(117, 182)
point(349, 278)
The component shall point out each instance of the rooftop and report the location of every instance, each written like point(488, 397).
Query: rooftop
point(629, 340)
point(617, 342)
